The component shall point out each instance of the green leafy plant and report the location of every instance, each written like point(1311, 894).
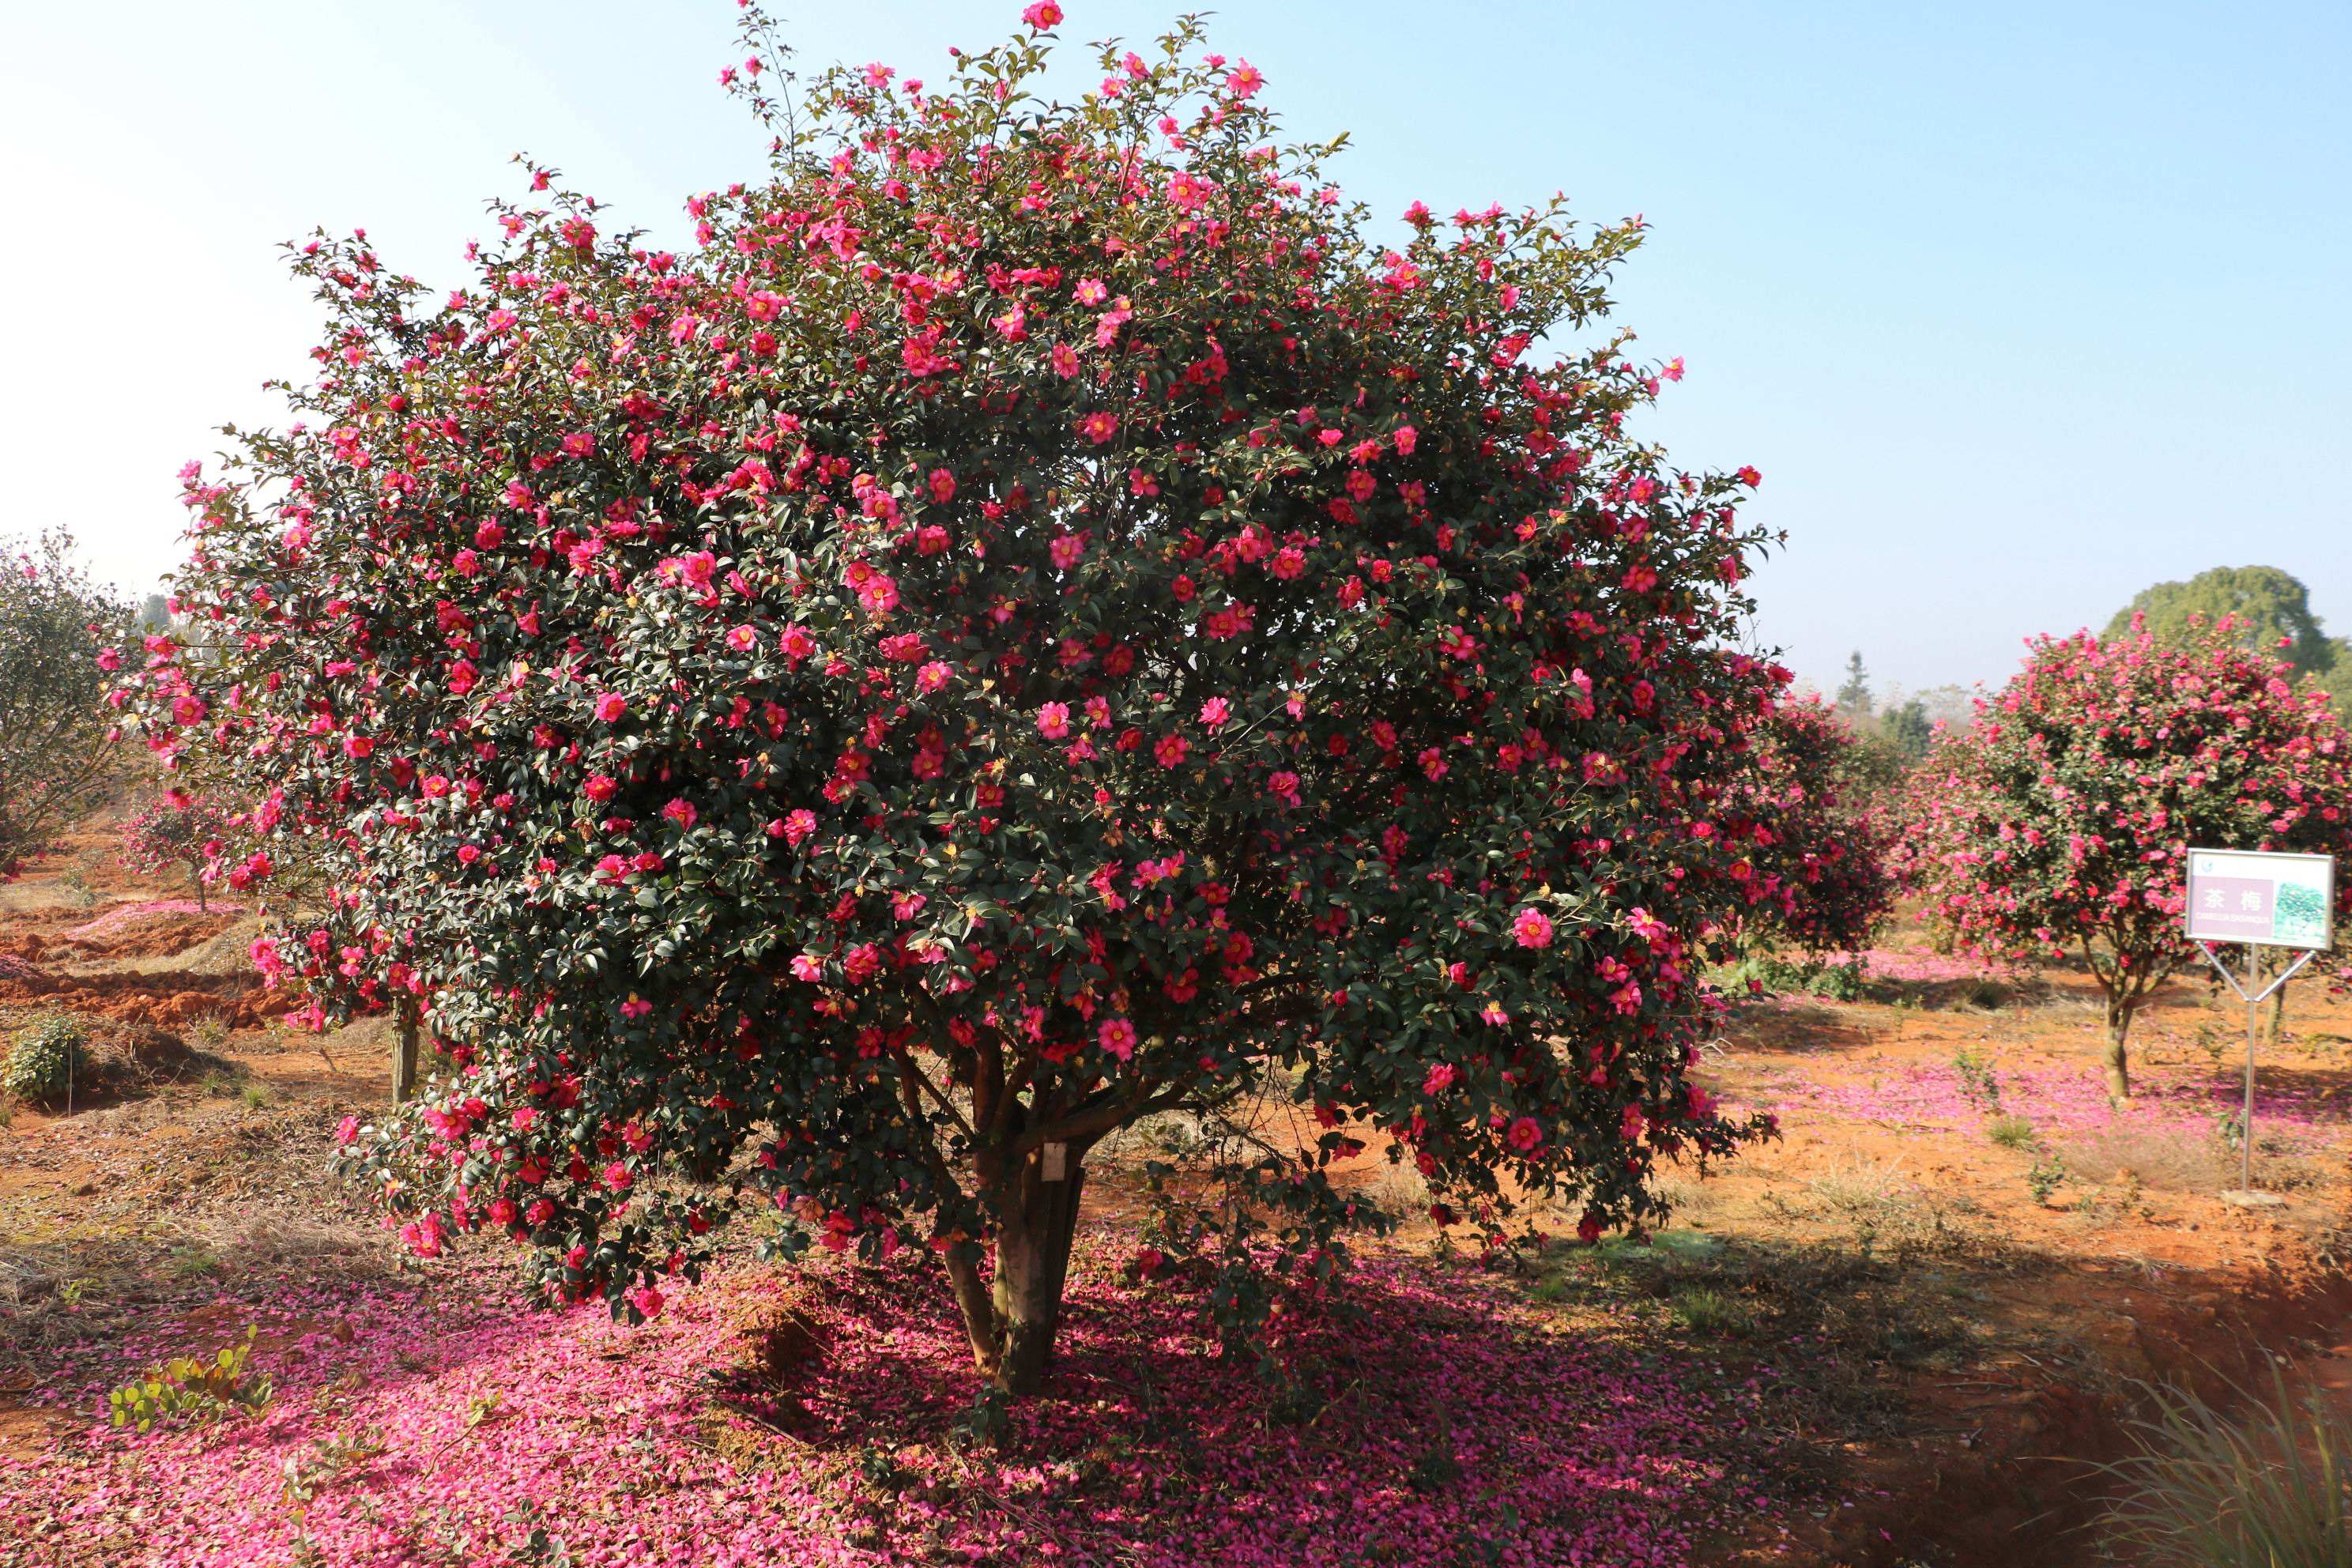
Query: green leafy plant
point(56, 737)
point(1978, 1082)
point(1769, 974)
point(2011, 1133)
point(49, 1058)
point(2046, 1177)
point(2270, 1488)
point(1713, 1313)
point(191, 1388)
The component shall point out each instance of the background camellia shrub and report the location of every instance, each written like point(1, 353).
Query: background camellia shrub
point(48, 1059)
point(1036, 621)
point(2062, 822)
point(178, 831)
point(1813, 833)
point(57, 740)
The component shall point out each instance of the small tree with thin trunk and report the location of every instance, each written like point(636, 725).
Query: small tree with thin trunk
point(2060, 823)
point(180, 830)
point(1038, 620)
point(56, 740)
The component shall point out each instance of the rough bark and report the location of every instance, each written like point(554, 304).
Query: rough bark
point(1012, 1325)
point(403, 1056)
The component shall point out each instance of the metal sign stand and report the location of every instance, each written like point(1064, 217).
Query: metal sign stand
point(2253, 1000)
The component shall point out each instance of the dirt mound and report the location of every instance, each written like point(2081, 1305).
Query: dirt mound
point(165, 1000)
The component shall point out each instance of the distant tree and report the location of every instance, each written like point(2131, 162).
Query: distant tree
point(2064, 820)
point(1907, 730)
point(155, 614)
point(1854, 692)
point(190, 832)
point(2268, 609)
point(1952, 706)
point(56, 739)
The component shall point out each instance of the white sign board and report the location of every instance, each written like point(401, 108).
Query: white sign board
point(2275, 900)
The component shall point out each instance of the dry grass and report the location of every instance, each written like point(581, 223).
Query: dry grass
point(2177, 1160)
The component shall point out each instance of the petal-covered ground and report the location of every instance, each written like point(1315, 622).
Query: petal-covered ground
point(1441, 1418)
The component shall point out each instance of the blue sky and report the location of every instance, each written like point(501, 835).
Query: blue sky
point(2018, 309)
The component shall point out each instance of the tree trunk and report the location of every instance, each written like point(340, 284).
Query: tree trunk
point(1013, 1325)
point(2119, 1015)
point(404, 1054)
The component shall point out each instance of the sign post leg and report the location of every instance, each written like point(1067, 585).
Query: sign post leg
point(2254, 1013)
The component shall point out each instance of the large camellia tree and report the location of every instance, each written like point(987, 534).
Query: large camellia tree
point(2062, 822)
point(1036, 620)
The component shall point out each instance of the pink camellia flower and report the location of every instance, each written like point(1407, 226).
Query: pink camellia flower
point(1532, 927)
point(1042, 15)
point(1441, 1077)
point(1054, 721)
point(1170, 751)
point(610, 706)
point(680, 811)
point(646, 1300)
point(932, 676)
point(1098, 427)
point(798, 826)
point(617, 1177)
point(1244, 80)
point(1526, 1135)
point(346, 1130)
point(1091, 291)
point(1065, 361)
point(1215, 711)
point(1118, 1037)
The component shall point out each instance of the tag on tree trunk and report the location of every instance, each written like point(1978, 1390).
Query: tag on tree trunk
point(1057, 1162)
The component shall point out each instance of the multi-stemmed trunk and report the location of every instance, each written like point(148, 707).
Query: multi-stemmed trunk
point(1012, 1320)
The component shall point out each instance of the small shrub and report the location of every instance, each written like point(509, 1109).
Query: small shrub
point(210, 1031)
point(2272, 1490)
point(2011, 1133)
point(1984, 996)
point(1436, 1469)
point(1977, 1080)
point(78, 889)
point(46, 1059)
point(1770, 974)
point(192, 1388)
point(1713, 1313)
point(2046, 1178)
